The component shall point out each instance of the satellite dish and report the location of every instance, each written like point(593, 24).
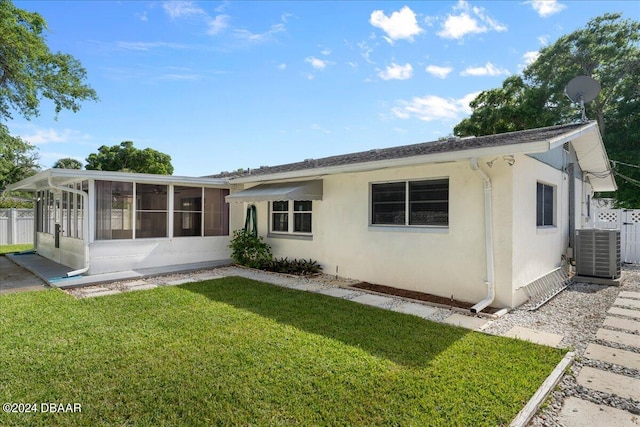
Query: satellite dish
point(582, 89)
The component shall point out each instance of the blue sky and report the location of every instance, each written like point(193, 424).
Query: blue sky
point(225, 85)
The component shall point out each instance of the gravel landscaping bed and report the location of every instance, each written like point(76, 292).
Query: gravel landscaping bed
point(577, 314)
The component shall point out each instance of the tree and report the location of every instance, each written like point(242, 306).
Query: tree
point(67, 163)
point(126, 158)
point(29, 71)
point(18, 159)
point(607, 49)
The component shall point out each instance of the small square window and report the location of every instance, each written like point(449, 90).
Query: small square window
point(291, 216)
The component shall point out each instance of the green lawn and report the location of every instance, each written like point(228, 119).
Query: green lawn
point(238, 352)
point(6, 249)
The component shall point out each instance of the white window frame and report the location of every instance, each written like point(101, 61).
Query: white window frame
point(407, 225)
point(554, 204)
point(290, 219)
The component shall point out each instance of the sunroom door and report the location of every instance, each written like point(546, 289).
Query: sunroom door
point(57, 227)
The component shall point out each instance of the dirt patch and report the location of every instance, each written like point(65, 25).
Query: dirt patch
point(388, 290)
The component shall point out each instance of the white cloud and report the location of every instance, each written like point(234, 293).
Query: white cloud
point(218, 24)
point(544, 40)
point(431, 107)
point(401, 24)
point(282, 67)
point(396, 72)
point(316, 63)
point(530, 57)
point(260, 37)
point(469, 20)
point(488, 70)
point(181, 9)
point(437, 71)
point(365, 52)
point(326, 51)
point(546, 8)
point(143, 16)
point(319, 128)
point(51, 136)
point(144, 46)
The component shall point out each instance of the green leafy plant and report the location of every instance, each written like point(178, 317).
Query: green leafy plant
point(249, 250)
point(300, 267)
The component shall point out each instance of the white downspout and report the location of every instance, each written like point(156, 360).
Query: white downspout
point(488, 230)
point(85, 224)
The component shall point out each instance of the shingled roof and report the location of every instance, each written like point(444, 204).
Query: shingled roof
point(405, 151)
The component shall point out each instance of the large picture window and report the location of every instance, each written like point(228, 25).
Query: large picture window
point(416, 203)
point(292, 216)
point(544, 205)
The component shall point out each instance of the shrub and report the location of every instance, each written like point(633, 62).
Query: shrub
point(249, 250)
point(300, 267)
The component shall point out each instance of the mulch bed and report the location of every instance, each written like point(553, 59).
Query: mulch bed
point(419, 296)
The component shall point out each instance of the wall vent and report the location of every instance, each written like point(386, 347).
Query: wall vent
point(598, 253)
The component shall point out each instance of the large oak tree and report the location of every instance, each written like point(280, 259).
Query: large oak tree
point(126, 158)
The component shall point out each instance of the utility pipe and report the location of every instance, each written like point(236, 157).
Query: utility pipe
point(85, 224)
point(488, 231)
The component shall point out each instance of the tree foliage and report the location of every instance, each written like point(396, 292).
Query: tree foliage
point(607, 49)
point(67, 163)
point(18, 159)
point(29, 71)
point(126, 158)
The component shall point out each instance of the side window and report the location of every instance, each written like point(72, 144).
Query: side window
point(292, 216)
point(544, 205)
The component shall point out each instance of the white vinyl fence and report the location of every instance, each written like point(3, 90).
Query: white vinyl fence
point(16, 226)
point(628, 222)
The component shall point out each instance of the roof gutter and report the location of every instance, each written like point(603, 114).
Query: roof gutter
point(488, 230)
point(85, 224)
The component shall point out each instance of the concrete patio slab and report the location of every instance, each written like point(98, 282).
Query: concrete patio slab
point(619, 337)
point(370, 299)
point(14, 278)
point(582, 413)
point(626, 324)
point(627, 302)
point(416, 309)
point(624, 312)
point(607, 382)
point(531, 335)
point(468, 322)
point(628, 359)
point(629, 294)
point(337, 292)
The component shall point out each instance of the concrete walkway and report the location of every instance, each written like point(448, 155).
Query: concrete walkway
point(621, 327)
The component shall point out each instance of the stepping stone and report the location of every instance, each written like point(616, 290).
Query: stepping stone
point(309, 287)
point(140, 287)
point(103, 293)
point(134, 283)
point(623, 338)
point(531, 335)
point(208, 276)
point(626, 302)
point(607, 382)
point(629, 294)
point(625, 358)
point(624, 312)
point(336, 292)
point(626, 324)
point(416, 309)
point(370, 299)
point(180, 281)
point(475, 323)
point(94, 290)
point(582, 413)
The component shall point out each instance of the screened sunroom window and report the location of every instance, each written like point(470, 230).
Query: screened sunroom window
point(187, 211)
point(151, 210)
point(114, 210)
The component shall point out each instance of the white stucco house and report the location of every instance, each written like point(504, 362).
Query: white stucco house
point(475, 219)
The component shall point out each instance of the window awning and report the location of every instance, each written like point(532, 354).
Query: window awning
point(302, 190)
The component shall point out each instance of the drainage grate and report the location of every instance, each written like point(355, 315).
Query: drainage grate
point(546, 287)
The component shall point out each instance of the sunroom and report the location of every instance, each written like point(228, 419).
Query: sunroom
point(99, 222)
